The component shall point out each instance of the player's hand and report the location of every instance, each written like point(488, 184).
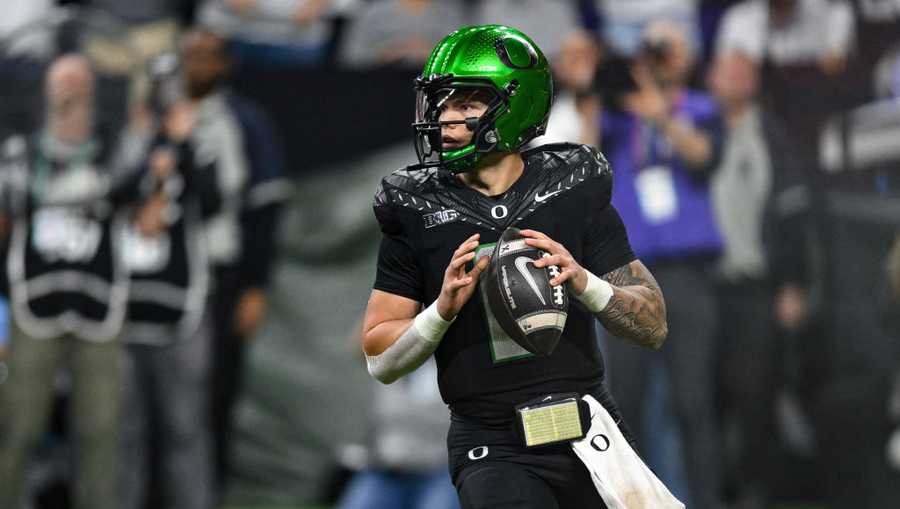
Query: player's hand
point(458, 284)
point(570, 272)
point(648, 101)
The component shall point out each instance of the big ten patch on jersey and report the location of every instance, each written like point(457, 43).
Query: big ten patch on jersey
point(440, 217)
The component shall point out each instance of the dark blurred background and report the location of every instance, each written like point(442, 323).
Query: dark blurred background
point(283, 116)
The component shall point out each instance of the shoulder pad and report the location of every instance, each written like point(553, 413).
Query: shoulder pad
point(569, 154)
point(409, 180)
point(564, 160)
point(406, 187)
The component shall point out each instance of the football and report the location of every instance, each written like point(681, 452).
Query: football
point(529, 310)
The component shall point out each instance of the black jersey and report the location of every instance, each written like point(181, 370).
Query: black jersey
point(426, 214)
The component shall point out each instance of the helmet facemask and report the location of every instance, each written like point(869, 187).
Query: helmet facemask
point(432, 96)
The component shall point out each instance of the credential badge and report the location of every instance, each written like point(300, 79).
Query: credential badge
point(440, 217)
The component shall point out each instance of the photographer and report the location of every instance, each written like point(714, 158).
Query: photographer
point(166, 334)
point(663, 140)
point(61, 190)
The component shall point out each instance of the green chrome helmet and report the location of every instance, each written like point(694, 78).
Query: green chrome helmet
point(495, 59)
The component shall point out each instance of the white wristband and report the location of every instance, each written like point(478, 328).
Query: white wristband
point(430, 325)
point(597, 293)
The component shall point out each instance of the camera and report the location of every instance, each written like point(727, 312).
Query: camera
point(166, 86)
point(655, 52)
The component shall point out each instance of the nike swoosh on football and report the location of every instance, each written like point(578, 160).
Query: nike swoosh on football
point(541, 197)
point(522, 266)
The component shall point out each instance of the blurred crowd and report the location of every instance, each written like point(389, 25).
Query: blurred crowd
point(149, 149)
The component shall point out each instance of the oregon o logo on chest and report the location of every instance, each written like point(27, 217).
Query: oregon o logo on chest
point(499, 211)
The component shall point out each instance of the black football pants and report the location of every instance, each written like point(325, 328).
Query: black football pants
point(491, 468)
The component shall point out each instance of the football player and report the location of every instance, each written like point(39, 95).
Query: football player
point(484, 93)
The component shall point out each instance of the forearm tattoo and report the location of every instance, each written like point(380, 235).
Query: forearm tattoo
point(637, 310)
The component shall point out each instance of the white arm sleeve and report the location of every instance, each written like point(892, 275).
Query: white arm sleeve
point(411, 349)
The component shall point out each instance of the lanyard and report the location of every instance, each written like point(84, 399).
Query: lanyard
point(42, 168)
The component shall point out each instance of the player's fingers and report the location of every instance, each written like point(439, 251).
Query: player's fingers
point(480, 265)
point(465, 247)
point(544, 244)
point(463, 250)
point(461, 260)
point(562, 277)
point(550, 246)
point(534, 234)
point(459, 283)
point(469, 240)
point(547, 261)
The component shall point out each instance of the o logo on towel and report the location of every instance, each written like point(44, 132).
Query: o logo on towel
point(599, 442)
point(478, 453)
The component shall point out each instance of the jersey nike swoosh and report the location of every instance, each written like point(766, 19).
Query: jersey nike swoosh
point(541, 197)
point(522, 265)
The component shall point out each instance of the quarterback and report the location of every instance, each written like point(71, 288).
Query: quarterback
point(484, 93)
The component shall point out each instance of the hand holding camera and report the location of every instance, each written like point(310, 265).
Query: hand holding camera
point(647, 102)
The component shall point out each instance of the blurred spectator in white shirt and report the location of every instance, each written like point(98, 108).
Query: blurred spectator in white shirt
point(399, 32)
point(576, 108)
point(790, 32)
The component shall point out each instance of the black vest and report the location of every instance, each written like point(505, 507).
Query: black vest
point(169, 273)
point(64, 267)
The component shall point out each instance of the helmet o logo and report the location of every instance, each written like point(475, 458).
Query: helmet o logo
point(499, 212)
point(516, 52)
